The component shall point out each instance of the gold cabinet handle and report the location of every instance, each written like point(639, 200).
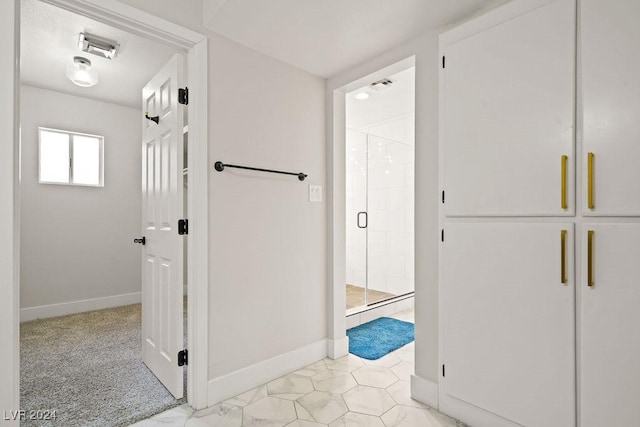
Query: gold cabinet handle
point(563, 181)
point(590, 258)
point(590, 180)
point(563, 256)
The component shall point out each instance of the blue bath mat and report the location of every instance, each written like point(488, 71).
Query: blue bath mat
point(374, 339)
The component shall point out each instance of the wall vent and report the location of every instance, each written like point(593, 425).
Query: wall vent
point(102, 47)
point(382, 84)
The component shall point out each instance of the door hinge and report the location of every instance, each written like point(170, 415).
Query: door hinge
point(183, 226)
point(183, 358)
point(183, 96)
point(442, 196)
point(443, 371)
point(443, 62)
point(442, 235)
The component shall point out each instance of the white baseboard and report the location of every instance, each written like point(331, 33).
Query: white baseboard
point(470, 414)
point(54, 310)
point(245, 379)
point(338, 348)
point(425, 391)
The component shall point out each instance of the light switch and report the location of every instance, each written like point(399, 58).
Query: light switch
point(315, 193)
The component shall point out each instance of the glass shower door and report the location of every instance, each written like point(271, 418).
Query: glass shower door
point(390, 207)
point(379, 219)
point(356, 218)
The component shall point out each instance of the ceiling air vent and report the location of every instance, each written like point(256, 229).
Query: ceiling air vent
point(98, 46)
point(382, 84)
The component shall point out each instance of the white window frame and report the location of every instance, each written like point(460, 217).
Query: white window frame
point(71, 136)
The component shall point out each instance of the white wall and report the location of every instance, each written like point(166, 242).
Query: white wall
point(425, 49)
point(267, 242)
point(268, 252)
point(77, 242)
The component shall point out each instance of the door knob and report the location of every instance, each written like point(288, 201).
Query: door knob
point(155, 119)
point(142, 241)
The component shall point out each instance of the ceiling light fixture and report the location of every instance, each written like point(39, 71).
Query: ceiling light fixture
point(362, 96)
point(102, 47)
point(80, 72)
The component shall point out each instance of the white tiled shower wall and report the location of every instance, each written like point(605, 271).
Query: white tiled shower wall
point(380, 180)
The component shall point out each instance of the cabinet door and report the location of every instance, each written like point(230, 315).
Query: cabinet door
point(610, 371)
point(508, 115)
point(508, 320)
point(610, 68)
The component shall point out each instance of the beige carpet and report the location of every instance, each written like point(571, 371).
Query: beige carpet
point(88, 368)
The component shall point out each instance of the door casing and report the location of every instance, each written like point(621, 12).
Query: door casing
point(338, 345)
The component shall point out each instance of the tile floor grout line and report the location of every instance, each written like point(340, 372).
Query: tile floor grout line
point(352, 364)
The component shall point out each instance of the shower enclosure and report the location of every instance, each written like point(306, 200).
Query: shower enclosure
point(379, 219)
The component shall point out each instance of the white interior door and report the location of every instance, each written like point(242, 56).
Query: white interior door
point(610, 66)
point(508, 320)
point(610, 377)
point(162, 203)
point(508, 102)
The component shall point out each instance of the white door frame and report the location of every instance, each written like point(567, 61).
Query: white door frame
point(192, 44)
point(9, 211)
point(336, 161)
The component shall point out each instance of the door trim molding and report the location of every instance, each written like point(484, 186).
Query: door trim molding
point(336, 193)
point(424, 390)
point(338, 348)
point(132, 20)
point(194, 45)
point(10, 212)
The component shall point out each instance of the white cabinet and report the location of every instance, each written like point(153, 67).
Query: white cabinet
point(508, 116)
point(508, 324)
point(610, 74)
point(610, 371)
point(508, 320)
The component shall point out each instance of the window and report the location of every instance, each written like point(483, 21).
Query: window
point(70, 158)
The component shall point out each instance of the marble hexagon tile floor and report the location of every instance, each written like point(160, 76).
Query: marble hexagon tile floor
point(349, 391)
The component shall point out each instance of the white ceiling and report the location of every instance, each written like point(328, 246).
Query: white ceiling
point(326, 37)
point(392, 102)
point(49, 42)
